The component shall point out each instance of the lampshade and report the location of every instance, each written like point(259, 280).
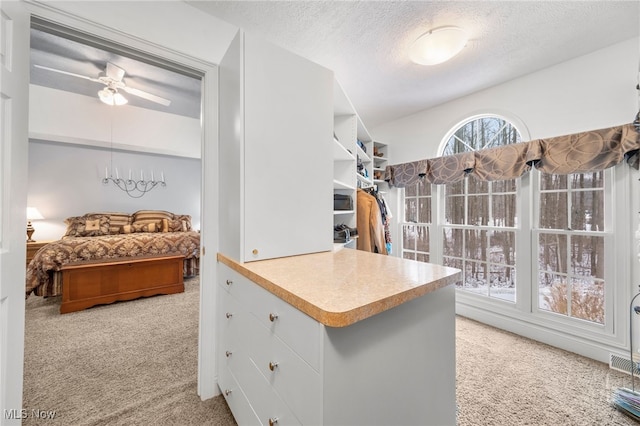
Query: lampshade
point(438, 45)
point(111, 97)
point(118, 99)
point(33, 214)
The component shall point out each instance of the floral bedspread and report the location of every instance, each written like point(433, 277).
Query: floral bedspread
point(49, 259)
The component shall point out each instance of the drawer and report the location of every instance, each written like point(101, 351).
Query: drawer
point(236, 399)
point(265, 402)
point(228, 347)
point(230, 314)
point(301, 332)
point(235, 283)
point(298, 330)
point(299, 385)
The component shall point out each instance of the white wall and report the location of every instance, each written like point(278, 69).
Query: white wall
point(589, 92)
point(72, 138)
point(172, 24)
point(60, 116)
point(66, 180)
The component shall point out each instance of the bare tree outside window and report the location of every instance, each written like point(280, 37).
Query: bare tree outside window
point(479, 233)
point(571, 249)
point(416, 230)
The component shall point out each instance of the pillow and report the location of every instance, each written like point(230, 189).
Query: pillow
point(186, 221)
point(146, 226)
point(149, 216)
point(181, 223)
point(116, 220)
point(174, 225)
point(87, 226)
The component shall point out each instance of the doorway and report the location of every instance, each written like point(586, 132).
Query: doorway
point(208, 194)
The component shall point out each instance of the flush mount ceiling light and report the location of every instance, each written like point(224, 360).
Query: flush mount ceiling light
point(438, 45)
point(111, 97)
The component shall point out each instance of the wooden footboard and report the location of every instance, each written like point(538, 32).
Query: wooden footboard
point(86, 284)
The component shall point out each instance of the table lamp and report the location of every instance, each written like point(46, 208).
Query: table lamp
point(32, 214)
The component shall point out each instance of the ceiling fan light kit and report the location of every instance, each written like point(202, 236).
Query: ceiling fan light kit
point(111, 97)
point(113, 79)
point(438, 45)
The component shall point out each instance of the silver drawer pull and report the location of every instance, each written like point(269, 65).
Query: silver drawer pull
point(229, 282)
point(228, 353)
point(228, 392)
point(229, 314)
point(273, 421)
point(273, 366)
point(273, 317)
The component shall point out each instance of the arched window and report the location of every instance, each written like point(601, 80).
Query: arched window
point(478, 133)
point(478, 234)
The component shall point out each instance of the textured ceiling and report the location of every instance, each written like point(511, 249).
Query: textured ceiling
point(366, 42)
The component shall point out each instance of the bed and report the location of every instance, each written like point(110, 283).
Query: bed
point(107, 241)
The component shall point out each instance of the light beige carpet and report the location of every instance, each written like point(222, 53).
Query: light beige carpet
point(135, 363)
point(129, 363)
point(505, 379)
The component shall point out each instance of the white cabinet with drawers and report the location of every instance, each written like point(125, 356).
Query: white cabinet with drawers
point(277, 365)
point(268, 355)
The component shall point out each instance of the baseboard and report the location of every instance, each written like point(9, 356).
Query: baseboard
point(587, 348)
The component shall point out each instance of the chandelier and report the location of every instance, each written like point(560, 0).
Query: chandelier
point(133, 188)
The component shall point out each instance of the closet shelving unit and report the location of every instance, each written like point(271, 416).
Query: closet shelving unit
point(348, 129)
point(365, 179)
point(379, 164)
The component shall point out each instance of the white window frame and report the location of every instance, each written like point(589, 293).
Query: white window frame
point(524, 316)
point(575, 325)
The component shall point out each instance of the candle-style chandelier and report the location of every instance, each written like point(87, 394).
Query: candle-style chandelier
point(133, 188)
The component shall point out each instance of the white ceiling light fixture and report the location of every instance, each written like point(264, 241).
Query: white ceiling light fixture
point(438, 45)
point(111, 97)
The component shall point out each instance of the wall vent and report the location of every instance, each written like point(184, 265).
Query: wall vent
point(623, 364)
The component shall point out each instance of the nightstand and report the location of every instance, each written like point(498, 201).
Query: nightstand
point(33, 247)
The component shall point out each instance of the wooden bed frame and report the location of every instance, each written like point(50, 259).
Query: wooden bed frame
point(90, 283)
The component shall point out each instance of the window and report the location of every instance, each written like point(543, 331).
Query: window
point(571, 245)
point(546, 250)
point(480, 217)
point(416, 229)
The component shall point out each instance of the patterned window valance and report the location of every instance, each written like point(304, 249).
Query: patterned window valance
point(577, 153)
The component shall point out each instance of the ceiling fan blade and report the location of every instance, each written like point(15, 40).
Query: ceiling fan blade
point(114, 72)
point(68, 73)
point(148, 96)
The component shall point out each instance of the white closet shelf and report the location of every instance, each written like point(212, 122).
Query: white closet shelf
point(363, 155)
point(341, 185)
point(341, 212)
point(340, 153)
point(348, 244)
point(364, 179)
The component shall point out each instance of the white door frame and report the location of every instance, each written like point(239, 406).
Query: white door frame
point(207, 381)
point(14, 112)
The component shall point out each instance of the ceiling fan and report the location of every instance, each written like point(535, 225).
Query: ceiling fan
point(112, 78)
